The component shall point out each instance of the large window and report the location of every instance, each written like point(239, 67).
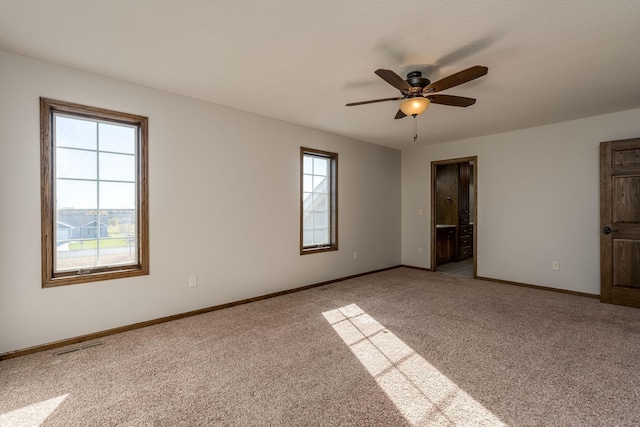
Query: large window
point(94, 194)
point(319, 201)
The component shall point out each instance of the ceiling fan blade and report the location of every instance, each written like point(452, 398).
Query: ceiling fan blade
point(455, 101)
point(394, 80)
point(373, 100)
point(400, 115)
point(456, 79)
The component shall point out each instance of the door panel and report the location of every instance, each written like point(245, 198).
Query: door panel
point(627, 255)
point(626, 194)
point(620, 222)
point(627, 157)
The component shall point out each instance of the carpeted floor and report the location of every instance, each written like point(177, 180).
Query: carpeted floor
point(397, 348)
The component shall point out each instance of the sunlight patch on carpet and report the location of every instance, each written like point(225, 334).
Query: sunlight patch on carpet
point(423, 394)
point(31, 415)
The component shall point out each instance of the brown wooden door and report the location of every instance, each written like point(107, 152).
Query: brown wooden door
point(620, 222)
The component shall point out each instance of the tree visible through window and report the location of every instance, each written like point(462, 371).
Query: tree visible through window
point(318, 223)
point(94, 194)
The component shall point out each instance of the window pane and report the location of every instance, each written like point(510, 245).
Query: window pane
point(307, 237)
point(320, 219)
point(320, 201)
point(320, 166)
point(320, 237)
point(121, 222)
point(71, 194)
point(307, 219)
point(307, 201)
point(117, 167)
point(76, 255)
point(117, 138)
point(117, 251)
point(116, 195)
point(307, 183)
point(308, 164)
point(319, 184)
point(92, 238)
point(72, 163)
point(78, 133)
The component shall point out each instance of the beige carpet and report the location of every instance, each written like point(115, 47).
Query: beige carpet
point(397, 348)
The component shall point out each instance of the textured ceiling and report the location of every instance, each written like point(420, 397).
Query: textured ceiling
point(302, 61)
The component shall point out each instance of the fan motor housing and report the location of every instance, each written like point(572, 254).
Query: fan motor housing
point(415, 79)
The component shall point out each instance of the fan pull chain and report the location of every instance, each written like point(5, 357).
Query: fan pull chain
point(415, 128)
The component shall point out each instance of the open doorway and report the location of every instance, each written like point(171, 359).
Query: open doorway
point(454, 208)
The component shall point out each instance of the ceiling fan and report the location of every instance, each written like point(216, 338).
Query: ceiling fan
point(418, 92)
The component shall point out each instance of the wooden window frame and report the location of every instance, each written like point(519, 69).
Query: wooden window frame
point(51, 278)
point(333, 202)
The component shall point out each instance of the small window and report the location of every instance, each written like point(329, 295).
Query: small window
point(319, 201)
point(94, 194)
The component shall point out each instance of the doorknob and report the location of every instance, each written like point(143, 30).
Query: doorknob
point(608, 230)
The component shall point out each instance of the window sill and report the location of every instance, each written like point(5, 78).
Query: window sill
point(315, 250)
point(74, 278)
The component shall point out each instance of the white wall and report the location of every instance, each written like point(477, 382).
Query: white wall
point(538, 200)
point(224, 205)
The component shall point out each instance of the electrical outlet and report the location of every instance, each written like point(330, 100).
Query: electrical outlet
point(419, 251)
point(420, 212)
point(555, 265)
point(355, 255)
point(193, 281)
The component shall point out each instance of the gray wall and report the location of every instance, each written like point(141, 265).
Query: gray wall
point(538, 200)
point(227, 180)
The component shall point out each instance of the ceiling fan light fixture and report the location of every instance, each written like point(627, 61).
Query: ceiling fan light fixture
point(414, 106)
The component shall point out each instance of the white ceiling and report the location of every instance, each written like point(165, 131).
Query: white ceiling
point(302, 61)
